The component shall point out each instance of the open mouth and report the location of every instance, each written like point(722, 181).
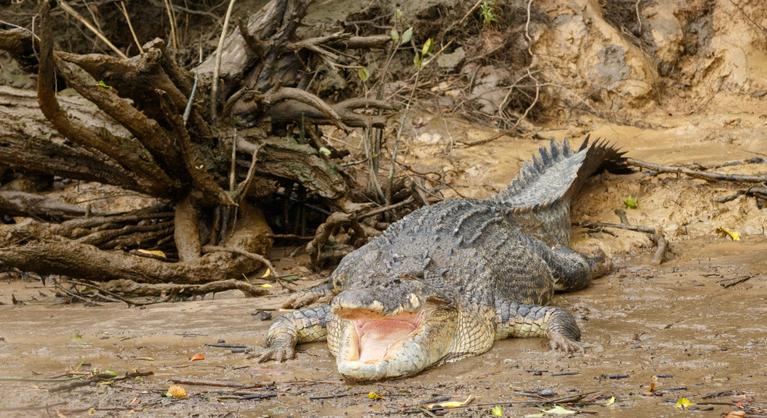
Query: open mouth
point(376, 337)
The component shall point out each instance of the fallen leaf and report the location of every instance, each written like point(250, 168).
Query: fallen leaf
point(265, 286)
point(176, 392)
point(683, 403)
point(92, 411)
point(145, 358)
point(110, 373)
point(653, 384)
point(198, 357)
point(610, 401)
point(556, 410)
point(497, 411)
point(735, 414)
point(734, 235)
point(156, 253)
point(450, 404)
point(267, 273)
point(374, 396)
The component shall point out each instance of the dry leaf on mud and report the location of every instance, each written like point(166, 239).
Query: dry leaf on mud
point(610, 401)
point(374, 396)
point(450, 404)
point(683, 403)
point(198, 357)
point(735, 414)
point(557, 410)
point(653, 384)
point(156, 253)
point(734, 235)
point(267, 273)
point(266, 286)
point(176, 392)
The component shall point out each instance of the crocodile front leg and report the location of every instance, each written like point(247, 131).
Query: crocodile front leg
point(302, 326)
point(520, 320)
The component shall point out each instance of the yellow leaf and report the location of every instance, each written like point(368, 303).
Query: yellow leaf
point(497, 411)
point(177, 392)
point(683, 403)
point(197, 357)
point(267, 273)
point(734, 235)
point(653, 384)
point(265, 285)
point(374, 396)
point(450, 404)
point(610, 401)
point(156, 253)
point(556, 410)
point(145, 358)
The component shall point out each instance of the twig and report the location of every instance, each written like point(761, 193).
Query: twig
point(738, 280)
point(655, 236)
point(639, 18)
point(172, 22)
point(217, 66)
point(72, 12)
point(124, 10)
point(705, 175)
point(188, 108)
point(213, 383)
point(98, 378)
point(254, 256)
point(242, 188)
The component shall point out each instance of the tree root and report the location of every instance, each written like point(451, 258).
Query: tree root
point(170, 292)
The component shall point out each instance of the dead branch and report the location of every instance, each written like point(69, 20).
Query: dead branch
point(100, 377)
point(33, 247)
point(656, 236)
point(705, 175)
point(14, 203)
point(169, 291)
point(150, 176)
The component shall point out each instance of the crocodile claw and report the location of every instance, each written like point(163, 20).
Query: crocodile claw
point(277, 353)
point(562, 343)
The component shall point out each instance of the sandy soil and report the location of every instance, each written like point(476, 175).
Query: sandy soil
point(677, 321)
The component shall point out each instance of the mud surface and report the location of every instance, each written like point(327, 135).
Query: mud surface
point(676, 322)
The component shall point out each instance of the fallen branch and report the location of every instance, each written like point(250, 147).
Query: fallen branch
point(705, 175)
point(654, 235)
point(100, 377)
point(170, 291)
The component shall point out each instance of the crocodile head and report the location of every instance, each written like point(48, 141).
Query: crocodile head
point(395, 329)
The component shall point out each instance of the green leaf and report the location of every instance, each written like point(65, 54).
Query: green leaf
point(417, 61)
point(407, 35)
point(325, 152)
point(497, 411)
point(110, 373)
point(394, 36)
point(104, 85)
point(374, 396)
point(631, 202)
point(426, 47)
point(363, 74)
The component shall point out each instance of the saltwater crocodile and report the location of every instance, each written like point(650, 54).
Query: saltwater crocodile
point(449, 279)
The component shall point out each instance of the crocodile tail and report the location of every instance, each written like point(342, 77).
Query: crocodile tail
point(541, 193)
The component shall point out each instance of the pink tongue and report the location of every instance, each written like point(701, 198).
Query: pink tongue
point(376, 336)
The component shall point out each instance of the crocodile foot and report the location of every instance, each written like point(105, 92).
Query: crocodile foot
point(280, 348)
point(560, 342)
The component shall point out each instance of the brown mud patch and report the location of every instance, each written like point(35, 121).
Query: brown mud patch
point(676, 321)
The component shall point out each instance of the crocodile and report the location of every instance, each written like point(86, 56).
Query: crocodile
point(449, 279)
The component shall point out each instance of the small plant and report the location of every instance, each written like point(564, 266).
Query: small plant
point(631, 202)
point(487, 11)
